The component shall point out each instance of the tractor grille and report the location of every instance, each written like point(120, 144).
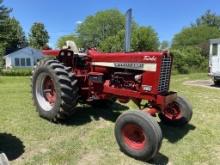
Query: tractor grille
point(165, 74)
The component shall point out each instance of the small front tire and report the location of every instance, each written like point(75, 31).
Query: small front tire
point(178, 113)
point(138, 135)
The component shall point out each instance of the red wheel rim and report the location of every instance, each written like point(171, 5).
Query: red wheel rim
point(49, 90)
point(172, 111)
point(133, 136)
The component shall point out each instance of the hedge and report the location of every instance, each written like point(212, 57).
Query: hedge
point(16, 72)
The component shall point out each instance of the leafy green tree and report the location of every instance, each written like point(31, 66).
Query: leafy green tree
point(113, 43)
point(62, 40)
point(196, 36)
point(15, 37)
point(38, 36)
point(191, 45)
point(105, 31)
point(164, 45)
point(144, 39)
point(209, 18)
point(4, 15)
point(95, 29)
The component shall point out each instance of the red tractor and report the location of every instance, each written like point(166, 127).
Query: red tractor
point(59, 84)
point(72, 77)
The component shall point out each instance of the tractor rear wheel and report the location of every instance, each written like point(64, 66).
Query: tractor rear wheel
point(177, 113)
point(54, 90)
point(138, 135)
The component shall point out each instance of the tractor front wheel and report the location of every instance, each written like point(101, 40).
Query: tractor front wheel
point(54, 90)
point(138, 135)
point(178, 113)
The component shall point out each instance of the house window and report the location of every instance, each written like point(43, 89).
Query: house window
point(22, 61)
point(214, 49)
point(17, 62)
point(28, 62)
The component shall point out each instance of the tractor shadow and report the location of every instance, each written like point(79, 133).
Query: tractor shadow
point(174, 134)
point(11, 145)
point(85, 113)
point(159, 159)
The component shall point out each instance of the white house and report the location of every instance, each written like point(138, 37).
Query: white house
point(26, 57)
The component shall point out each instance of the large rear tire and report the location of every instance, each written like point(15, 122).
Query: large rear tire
point(138, 135)
point(54, 90)
point(177, 113)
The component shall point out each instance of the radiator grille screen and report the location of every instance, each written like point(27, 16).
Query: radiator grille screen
point(165, 74)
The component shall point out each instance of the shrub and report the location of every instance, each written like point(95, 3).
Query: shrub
point(17, 72)
point(189, 59)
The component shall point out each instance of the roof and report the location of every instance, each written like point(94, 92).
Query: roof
point(28, 51)
point(215, 41)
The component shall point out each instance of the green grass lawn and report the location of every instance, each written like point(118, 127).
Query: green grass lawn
point(88, 137)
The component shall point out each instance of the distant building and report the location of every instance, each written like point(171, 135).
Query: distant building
point(23, 58)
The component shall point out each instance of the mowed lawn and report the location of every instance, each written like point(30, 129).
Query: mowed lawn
point(88, 137)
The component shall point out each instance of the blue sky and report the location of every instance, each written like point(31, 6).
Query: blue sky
point(60, 17)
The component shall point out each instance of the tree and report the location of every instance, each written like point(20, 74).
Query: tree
point(15, 36)
point(95, 29)
point(209, 18)
point(38, 36)
point(164, 45)
point(105, 31)
point(4, 15)
point(113, 43)
point(62, 40)
point(144, 39)
point(196, 36)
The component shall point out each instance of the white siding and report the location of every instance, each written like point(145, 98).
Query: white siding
point(8, 62)
point(218, 49)
point(25, 53)
point(20, 56)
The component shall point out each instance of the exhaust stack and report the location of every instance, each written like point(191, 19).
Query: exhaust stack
point(128, 30)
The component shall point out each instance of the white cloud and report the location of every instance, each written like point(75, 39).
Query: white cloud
point(78, 22)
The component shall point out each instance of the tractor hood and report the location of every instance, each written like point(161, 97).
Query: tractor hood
point(137, 57)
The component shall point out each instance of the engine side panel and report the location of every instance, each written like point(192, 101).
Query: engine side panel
point(146, 64)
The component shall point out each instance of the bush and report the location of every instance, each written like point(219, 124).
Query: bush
point(17, 72)
point(0, 71)
point(1, 62)
point(189, 59)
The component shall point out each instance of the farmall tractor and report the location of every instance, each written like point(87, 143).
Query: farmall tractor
point(59, 84)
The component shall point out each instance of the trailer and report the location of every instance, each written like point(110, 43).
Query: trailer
point(214, 60)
